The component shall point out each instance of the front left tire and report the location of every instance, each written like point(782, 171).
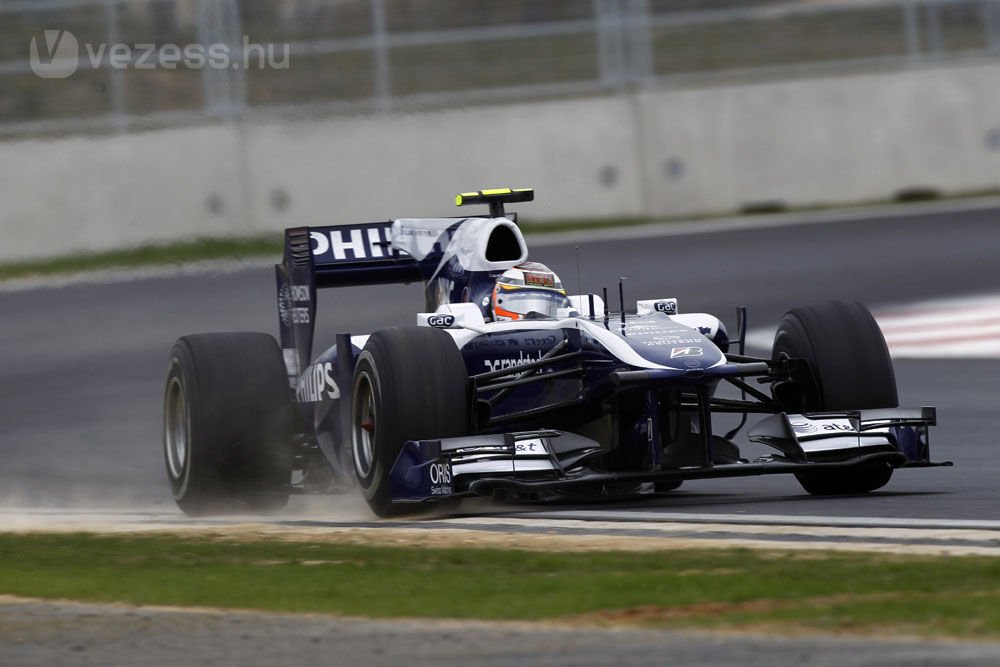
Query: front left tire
point(409, 384)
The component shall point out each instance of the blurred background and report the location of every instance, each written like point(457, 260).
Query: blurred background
point(345, 110)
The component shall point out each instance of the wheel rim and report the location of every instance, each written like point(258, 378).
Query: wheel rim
point(177, 429)
point(363, 427)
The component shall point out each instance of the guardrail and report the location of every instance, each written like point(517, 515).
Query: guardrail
point(354, 56)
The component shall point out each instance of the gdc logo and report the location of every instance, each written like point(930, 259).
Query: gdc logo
point(441, 321)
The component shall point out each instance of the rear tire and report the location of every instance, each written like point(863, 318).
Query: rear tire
point(409, 384)
point(228, 424)
point(851, 370)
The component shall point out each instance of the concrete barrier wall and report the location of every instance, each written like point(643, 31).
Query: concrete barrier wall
point(346, 170)
point(86, 194)
point(101, 193)
point(653, 153)
point(822, 141)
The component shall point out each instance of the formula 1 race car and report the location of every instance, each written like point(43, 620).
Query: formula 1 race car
point(508, 387)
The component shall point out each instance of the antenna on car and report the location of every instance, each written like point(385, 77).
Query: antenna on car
point(621, 297)
point(496, 198)
point(579, 281)
point(579, 285)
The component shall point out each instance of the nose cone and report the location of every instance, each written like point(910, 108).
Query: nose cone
point(667, 343)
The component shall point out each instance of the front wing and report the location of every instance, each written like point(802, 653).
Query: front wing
point(537, 464)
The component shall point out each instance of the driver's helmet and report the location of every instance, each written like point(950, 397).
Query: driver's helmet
point(527, 290)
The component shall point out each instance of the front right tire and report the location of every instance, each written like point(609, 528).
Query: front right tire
point(851, 370)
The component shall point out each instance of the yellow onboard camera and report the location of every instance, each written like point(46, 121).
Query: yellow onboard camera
point(496, 198)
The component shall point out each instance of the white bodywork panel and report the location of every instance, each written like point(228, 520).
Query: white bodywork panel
point(594, 328)
point(453, 316)
point(419, 236)
point(581, 303)
point(667, 306)
point(831, 434)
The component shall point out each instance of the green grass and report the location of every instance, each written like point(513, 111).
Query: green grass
point(794, 591)
point(269, 245)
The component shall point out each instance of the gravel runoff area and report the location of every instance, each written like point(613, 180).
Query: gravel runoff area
point(58, 634)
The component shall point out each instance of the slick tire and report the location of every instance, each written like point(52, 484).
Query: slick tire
point(228, 424)
point(857, 481)
point(409, 384)
point(851, 369)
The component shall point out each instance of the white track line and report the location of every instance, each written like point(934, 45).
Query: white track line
point(956, 328)
point(966, 327)
point(629, 529)
point(666, 526)
point(775, 520)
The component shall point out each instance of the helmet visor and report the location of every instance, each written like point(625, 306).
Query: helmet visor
point(526, 301)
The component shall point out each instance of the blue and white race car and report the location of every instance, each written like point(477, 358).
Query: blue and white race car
point(508, 387)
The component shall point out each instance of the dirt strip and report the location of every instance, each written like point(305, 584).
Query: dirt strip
point(388, 535)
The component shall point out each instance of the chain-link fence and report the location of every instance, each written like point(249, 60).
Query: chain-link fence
point(136, 62)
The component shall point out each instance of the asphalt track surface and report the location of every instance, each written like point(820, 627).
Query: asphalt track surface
point(81, 365)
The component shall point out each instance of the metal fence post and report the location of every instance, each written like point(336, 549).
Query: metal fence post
point(224, 88)
point(211, 79)
point(116, 78)
point(611, 58)
point(380, 49)
point(232, 31)
point(991, 19)
point(911, 24)
point(640, 41)
point(935, 40)
point(601, 39)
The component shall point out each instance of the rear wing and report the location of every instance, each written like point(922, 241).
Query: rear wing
point(350, 255)
point(336, 256)
point(398, 251)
